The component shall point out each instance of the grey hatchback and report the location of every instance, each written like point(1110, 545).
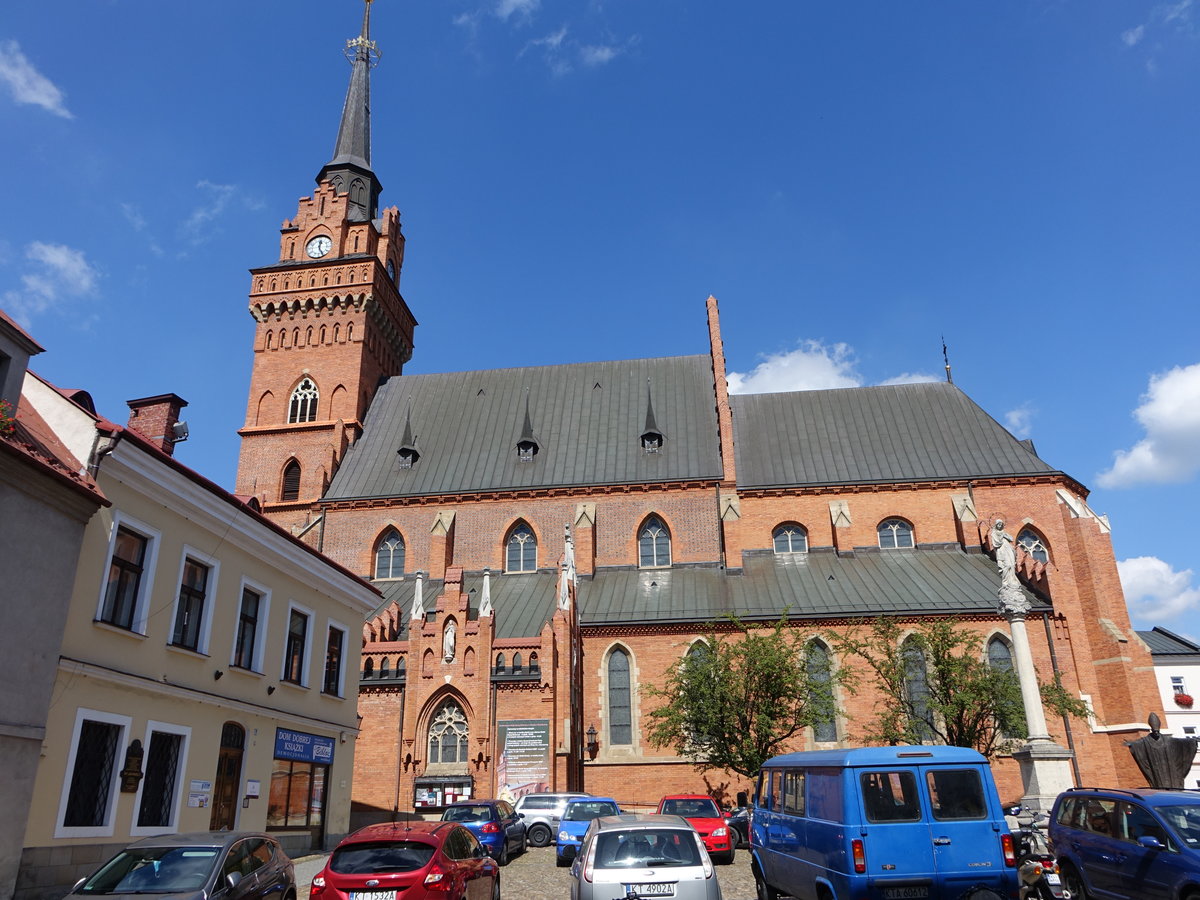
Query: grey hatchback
point(237, 865)
point(542, 811)
point(638, 856)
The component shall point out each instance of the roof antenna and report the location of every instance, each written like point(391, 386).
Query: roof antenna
point(946, 358)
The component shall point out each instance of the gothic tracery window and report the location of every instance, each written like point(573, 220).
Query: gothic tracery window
point(521, 553)
point(620, 718)
point(1031, 541)
point(448, 733)
point(790, 538)
point(654, 544)
point(303, 407)
point(895, 534)
point(389, 558)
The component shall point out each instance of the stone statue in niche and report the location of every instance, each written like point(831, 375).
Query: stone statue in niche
point(1165, 761)
point(448, 639)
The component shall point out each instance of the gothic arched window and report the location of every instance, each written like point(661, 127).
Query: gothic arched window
point(522, 549)
point(389, 558)
point(448, 735)
point(790, 538)
point(303, 407)
point(895, 534)
point(620, 712)
point(291, 481)
point(1033, 544)
point(654, 544)
point(999, 654)
point(916, 691)
point(820, 672)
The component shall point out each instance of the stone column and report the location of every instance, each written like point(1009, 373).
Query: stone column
point(1045, 765)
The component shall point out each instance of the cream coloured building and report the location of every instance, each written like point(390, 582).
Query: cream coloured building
point(208, 675)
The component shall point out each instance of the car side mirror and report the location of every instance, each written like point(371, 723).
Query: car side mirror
point(520, 815)
point(1151, 843)
point(233, 879)
point(77, 885)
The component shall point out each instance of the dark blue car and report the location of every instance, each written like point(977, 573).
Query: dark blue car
point(494, 822)
point(1142, 844)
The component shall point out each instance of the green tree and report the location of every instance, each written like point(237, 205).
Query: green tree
point(936, 687)
point(735, 700)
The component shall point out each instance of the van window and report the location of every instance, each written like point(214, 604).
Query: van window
point(890, 796)
point(825, 794)
point(956, 794)
point(768, 789)
point(793, 792)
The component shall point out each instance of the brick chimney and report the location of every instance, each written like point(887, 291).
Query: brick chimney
point(155, 418)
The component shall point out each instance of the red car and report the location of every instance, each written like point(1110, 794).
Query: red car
point(409, 859)
point(708, 820)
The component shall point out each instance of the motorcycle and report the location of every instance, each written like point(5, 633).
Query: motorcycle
point(1036, 866)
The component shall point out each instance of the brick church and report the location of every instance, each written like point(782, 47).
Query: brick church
point(548, 539)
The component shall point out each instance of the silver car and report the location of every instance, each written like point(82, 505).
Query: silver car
point(639, 856)
point(542, 812)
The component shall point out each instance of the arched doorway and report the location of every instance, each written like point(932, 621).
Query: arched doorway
point(229, 778)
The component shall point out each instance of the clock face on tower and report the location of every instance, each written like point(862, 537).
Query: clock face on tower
point(319, 246)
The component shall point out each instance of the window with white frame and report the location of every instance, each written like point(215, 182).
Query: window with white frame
point(790, 538)
point(895, 534)
point(91, 780)
point(654, 544)
point(196, 584)
point(303, 406)
point(335, 652)
point(521, 555)
point(251, 628)
point(389, 557)
point(1177, 685)
point(295, 653)
point(1032, 543)
point(160, 793)
point(131, 560)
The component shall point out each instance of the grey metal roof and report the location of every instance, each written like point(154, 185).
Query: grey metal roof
point(523, 603)
point(906, 432)
point(587, 419)
point(812, 585)
point(1163, 643)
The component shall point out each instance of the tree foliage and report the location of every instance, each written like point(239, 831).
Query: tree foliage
point(936, 686)
point(734, 701)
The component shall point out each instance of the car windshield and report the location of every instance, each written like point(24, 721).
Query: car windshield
point(702, 808)
point(381, 856)
point(661, 847)
point(154, 870)
point(467, 814)
point(592, 809)
point(1184, 821)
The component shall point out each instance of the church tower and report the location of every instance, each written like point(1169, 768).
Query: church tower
point(330, 320)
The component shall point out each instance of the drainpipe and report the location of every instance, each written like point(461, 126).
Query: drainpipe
point(1066, 720)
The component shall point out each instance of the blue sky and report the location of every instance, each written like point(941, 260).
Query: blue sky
point(852, 181)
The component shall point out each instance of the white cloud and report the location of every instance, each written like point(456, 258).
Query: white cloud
point(912, 378)
point(1133, 36)
point(218, 197)
point(27, 84)
point(598, 55)
point(1019, 421)
point(1170, 451)
point(506, 9)
point(1154, 591)
point(54, 273)
point(811, 366)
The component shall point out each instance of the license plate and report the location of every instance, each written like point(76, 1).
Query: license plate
point(1052, 878)
point(905, 893)
point(372, 895)
point(654, 889)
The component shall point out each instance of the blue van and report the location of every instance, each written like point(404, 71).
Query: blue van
point(881, 823)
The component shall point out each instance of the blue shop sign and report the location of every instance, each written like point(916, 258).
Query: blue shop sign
point(303, 747)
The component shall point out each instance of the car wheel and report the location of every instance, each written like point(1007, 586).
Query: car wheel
point(727, 858)
point(762, 890)
point(1073, 881)
point(496, 888)
point(561, 862)
point(539, 835)
point(502, 859)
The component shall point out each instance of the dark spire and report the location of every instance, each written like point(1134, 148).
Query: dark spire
point(652, 436)
point(408, 451)
point(946, 358)
point(350, 169)
point(527, 445)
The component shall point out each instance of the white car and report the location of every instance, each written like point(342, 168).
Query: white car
point(638, 856)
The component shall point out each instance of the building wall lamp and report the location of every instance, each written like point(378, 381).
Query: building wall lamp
point(593, 741)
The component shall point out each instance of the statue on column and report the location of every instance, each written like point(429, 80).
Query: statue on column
point(1012, 598)
point(1165, 761)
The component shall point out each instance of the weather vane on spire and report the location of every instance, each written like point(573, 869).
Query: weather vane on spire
point(362, 47)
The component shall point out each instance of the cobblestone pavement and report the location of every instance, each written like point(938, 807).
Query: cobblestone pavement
point(534, 876)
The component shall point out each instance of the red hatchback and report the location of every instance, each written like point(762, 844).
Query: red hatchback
point(706, 817)
point(413, 859)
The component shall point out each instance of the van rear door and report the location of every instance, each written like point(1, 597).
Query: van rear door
point(966, 833)
point(897, 844)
